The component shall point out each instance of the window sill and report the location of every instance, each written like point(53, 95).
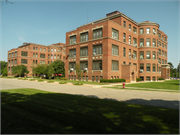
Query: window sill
point(115, 70)
point(96, 70)
point(115, 55)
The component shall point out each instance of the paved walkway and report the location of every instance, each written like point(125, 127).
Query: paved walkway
point(159, 99)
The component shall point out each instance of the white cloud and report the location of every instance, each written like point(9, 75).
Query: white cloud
point(21, 38)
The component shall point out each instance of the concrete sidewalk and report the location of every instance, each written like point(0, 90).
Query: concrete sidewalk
point(159, 99)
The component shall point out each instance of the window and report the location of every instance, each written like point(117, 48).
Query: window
point(48, 56)
point(141, 42)
point(48, 50)
point(12, 62)
point(129, 39)
point(154, 55)
point(148, 55)
point(141, 55)
point(159, 51)
point(9, 62)
point(142, 67)
point(154, 42)
point(130, 27)
point(83, 64)
point(97, 33)
point(84, 36)
point(147, 78)
point(135, 65)
point(40, 49)
point(72, 40)
point(63, 58)
point(12, 54)
point(55, 50)
point(36, 55)
point(115, 65)
point(36, 61)
point(162, 45)
point(58, 50)
point(162, 53)
point(15, 61)
point(148, 67)
point(159, 60)
point(63, 52)
point(25, 54)
point(165, 54)
point(51, 49)
point(165, 47)
point(130, 53)
point(157, 43)
point(154, 67)
point(8, 69)
point(84, 51)
point(42, 55)
point(154, 31)
point(165, 61)
point(141, 31)
point(72, 65)
point(124, 63)
point(42, 62)
point(134, 29)
point(33, 54)
point(124, 37)
point(97, 65)
point(148, 43)
point(134, 54)
point(23, 61)
point(72, 53)
point(165, 38)
point(87, 78)
point(135, 41)
point(97, 49)
point(159, 69)
point(148, 30)
point(44, 49)
point(58, 56)
point(124, 24)
point(115, 50)
point(15, 53)
point(154, 78)
point(124, 52)
point(162, 61)
point(36, 48)
point(74, 77)
point(115, 34)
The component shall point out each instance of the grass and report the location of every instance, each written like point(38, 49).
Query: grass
point(62, 82)
point(169, 84)
point(50, 81)
point(32, 79)
point(40, 80)
point(31, 111)
point(78, 83)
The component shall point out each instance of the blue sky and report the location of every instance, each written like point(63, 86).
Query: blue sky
point(46, 22)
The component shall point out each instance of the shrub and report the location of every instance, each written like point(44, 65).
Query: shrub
point(62, 82)
point(112, 80)
point(25, 79)
point(138, 79)
point(50, 81)
point(20, 78)
point(78, 83)
point(32, 79)
point(63, 78)
point(161, 79)
point(40, 80)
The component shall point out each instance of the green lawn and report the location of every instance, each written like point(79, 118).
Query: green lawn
point(169, 84)
point(31, 111)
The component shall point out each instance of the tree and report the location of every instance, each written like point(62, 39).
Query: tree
point(78, 72)
point(40, 69)
point(58, 67)
point(3, 65)
point(50, 70)
point(5, 72)
point(171, 65)
point(21, 70)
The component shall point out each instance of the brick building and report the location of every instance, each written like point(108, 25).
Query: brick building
point(117, 47)
point(31, 54)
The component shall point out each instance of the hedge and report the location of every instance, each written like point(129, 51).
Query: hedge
point(40, 80)
point(78, 83)
point(63, 78)
point(138, 79)
point(161, 79)
point(112, 80)
point(50, 81)
point(32, 79)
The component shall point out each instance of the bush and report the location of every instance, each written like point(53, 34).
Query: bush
point(112, 80)
point(138, 79)
point(78, 83)
point(62, 82)
point(50, 81)
point(40, 80)
point(32, 79)
point(20, 78)
point(25, 79)
point(161, 79)
point(63, 78)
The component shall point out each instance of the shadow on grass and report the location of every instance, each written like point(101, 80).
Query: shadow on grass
point(30, 111)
